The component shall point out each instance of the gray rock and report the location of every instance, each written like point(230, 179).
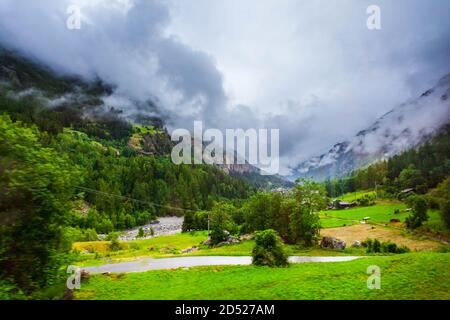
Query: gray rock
point(246, 237)
point(332, 243)
point(207, 242)
point(189, 250)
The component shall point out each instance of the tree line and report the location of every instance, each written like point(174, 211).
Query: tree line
point(294, 217)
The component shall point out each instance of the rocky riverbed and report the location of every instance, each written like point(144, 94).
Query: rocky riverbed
point(163, 226)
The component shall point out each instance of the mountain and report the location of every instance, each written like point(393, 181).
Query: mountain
point(404, 127)
point(83, 105)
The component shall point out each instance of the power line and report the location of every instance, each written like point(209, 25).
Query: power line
point(131, 199)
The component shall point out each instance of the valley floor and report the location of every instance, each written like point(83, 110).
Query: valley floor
point(422, 274)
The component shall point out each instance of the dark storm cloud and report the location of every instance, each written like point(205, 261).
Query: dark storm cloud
point(123, 43)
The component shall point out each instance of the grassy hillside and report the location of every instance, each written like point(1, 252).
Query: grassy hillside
point(353, 196)
point(381, 213)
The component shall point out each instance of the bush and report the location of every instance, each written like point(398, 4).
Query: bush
point(375, 246)
point(268, 250)
point(445, 212)
point(366, 200)
point(441, 199)
point(114, 238)
point(90, 235)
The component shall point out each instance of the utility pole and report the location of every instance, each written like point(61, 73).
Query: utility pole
point(208, 221)
point(376, 190)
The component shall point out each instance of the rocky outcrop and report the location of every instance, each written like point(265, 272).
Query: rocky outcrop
point(229, 240)
point(151, 144)
point(332, 243)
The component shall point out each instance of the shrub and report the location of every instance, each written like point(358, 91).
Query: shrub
point(375, 246)
point(445, 212)
point(188, 222)
point(90, 235)
point(268, 250)
point(366, 200)
point(141, 233)
point(114, 238)
point(441, 198)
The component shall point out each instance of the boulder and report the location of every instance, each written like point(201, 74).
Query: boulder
point(332, 243)
point(357, 244)
point(246, 237)
point(189, 250)
point(223, 243)
point(207, 242)
point(84, 275)
point(229, 240)
point(233, 240)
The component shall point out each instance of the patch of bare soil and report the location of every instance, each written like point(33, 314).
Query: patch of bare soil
point(361, 232)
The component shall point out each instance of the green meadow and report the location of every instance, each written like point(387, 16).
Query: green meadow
point(381, 213)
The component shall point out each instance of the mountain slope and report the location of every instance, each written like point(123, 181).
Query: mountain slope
point(403, 127)
point(83, 106)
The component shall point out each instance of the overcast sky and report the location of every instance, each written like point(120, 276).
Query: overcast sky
point(310, 68)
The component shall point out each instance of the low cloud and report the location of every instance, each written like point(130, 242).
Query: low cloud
point(310, 68)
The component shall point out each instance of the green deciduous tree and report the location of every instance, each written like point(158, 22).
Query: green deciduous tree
point(36, 186)
point(419, 215)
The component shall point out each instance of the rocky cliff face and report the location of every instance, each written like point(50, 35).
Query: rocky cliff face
point(157, 143)
point(405, 126)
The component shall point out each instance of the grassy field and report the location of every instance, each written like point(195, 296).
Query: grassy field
point(407, 276)
point(382, 213)
point(353, 196)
